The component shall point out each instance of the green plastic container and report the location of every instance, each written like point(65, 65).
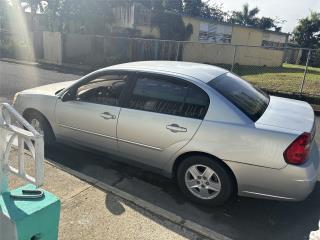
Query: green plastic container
point(30, 219)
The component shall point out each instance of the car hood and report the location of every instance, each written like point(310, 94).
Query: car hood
point(288, 114)
point(50, 89)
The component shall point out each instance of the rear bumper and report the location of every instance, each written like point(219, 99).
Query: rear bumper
point(291, 183)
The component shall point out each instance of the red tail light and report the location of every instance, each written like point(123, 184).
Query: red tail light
point(298, 151)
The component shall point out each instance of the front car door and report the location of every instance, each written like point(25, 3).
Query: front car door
point(160, 117)
point(90, 117)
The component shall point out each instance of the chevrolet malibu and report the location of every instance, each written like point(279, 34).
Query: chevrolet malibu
point(213, 132)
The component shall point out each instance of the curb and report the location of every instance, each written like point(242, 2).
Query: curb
point(76, 69)
point(205, 232)
point(11, 60)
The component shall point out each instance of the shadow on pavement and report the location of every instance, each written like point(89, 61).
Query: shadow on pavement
point(113, 205)
point(243, 218)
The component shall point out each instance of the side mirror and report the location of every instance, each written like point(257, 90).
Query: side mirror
point(68, 96)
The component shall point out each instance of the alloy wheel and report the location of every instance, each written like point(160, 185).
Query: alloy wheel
point(35, 123)
point(202, 181)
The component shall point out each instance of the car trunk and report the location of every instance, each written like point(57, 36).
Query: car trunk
point(288, 114)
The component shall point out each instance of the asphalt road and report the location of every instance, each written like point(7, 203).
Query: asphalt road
point(17, 77)
point(243, 218)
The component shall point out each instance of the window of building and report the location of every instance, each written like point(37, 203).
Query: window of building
point(215, 33)
point(271, 44)
point(273, 40)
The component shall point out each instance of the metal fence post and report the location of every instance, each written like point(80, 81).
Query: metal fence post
point(234, 58)
point(285, 54)
point(3, 170)
point(305, 73)
point(178, 51)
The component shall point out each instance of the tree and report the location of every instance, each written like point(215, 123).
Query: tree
point(171, 26)
point(173, 5)
point(156, 5)
point(35, 7)
point(52, 12)
point(193, 7)
point(213, 11)
point(95, 16)
point(265, 23)
point(204, 9)
point(246, 16)
point(307, 32)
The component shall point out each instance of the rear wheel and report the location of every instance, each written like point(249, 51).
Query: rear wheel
point(205, 180)
point(42, 126)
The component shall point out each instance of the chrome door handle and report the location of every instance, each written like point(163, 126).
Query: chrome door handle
point(107, 116)
point(176, 128)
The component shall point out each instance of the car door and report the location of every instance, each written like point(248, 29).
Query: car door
point(160, 117)
point(90, 117)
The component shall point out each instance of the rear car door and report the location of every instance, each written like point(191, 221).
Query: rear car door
point(90, 117)
point(160, 116)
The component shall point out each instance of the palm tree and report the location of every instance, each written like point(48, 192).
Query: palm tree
point(246, 16)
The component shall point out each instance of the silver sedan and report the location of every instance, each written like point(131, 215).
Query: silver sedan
point(213, 132)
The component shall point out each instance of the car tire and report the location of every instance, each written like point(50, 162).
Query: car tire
point(44, 127)
point(198, 188)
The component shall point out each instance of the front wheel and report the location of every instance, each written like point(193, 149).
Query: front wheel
point(205, 180)
point(42, 126)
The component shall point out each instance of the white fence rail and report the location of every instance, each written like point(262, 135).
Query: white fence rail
point(28, 137)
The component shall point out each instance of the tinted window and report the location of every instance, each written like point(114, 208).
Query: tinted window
point(169, 97)
point(103, 90)
point(250, 100)
point(196, 103)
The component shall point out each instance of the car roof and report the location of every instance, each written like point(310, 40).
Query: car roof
point(202, 72)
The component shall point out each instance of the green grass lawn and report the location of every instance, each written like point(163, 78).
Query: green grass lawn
point(287, 78)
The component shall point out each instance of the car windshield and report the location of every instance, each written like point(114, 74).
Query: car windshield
point(250, 100)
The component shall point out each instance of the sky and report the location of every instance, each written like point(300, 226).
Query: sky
point(289, 10)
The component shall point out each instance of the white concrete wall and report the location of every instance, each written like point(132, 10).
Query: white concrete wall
point(208, 53)
point(223, 54)
point(77, 45)
point(52, 47)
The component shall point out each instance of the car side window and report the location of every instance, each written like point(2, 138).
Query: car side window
point(164, 95)
point(104, 90)
point(196, 103)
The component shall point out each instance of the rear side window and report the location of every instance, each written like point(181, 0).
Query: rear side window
point(169, 96)
point(196, 103)
point(250, 100)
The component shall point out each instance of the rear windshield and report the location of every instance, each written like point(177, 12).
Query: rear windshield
point(250, 100)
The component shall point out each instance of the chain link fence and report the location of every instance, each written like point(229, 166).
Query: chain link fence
point(291, 70)
point(298, 71)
